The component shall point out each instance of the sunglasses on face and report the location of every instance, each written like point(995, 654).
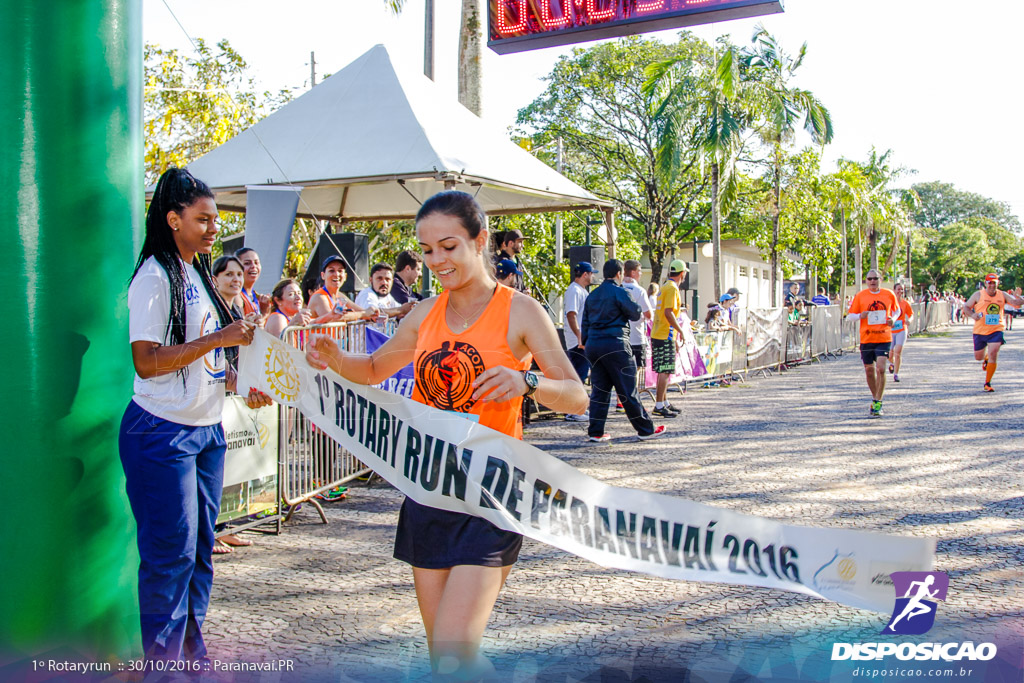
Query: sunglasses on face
point(871, 278)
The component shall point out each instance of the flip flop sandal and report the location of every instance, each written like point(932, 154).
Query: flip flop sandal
point(220, 549)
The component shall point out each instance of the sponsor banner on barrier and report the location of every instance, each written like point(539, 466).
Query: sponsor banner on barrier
point(250, 463)
point(448, 462)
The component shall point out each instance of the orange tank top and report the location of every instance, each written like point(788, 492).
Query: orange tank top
point(991, 309)
point(446, 363)
point(907, 313)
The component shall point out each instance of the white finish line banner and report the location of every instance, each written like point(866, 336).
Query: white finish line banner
point(446, 461)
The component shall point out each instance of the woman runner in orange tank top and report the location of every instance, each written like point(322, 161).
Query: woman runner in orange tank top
point(469, 347)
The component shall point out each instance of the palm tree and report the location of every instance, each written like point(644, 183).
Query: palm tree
point(781, 105)
point(471, 36)
point(713, 105)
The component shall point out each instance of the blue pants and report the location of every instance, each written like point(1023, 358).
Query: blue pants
point(578, 358)
point(613, 366)
point(174, 476)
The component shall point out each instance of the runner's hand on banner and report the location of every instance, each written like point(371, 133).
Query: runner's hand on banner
point(499, 384)
point(322, 351)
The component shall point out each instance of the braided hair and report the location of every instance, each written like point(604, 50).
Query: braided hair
point(176, 190)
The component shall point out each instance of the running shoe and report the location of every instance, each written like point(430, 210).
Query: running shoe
point(600, 439)
point(663, 412)
point(673, 408)
point(619, 408)
point(660, 430)
point(876, 409)
point(984, 364)
point(577, 418)
point(895, 377)
point(988, 387)
point(892, 369)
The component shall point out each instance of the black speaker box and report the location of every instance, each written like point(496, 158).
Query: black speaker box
point(354, 247)
point(592, 254)
point(689, 282)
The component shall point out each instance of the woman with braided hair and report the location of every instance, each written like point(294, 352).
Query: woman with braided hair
point(171, 440)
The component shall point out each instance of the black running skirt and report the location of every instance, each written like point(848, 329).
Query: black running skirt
point(429, 538)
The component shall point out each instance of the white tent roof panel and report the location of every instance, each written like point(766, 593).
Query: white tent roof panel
point(349, 140)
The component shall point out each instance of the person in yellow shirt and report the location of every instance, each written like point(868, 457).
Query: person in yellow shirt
point(876, 308)
point(666, 335)
point(986, 308)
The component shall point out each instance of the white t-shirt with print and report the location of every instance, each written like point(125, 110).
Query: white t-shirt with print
point(638, 329)
point(371, 299)
point(575, 297)
point(198, 400)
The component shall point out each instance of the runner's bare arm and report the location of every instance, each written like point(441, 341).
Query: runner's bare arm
point(323, 352)
point(531, 332)
point(319, 305)
point(1014, 299)
point(968, 307)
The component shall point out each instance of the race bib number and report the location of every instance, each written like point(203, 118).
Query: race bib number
point(876, 317)
point(897, 326)
point(991, 318)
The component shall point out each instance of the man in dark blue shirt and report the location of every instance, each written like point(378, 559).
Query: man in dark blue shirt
point(605, 336)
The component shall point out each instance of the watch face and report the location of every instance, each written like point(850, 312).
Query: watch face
point(531, 380)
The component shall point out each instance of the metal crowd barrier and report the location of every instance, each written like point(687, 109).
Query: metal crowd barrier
point(771, 343)
point(310, 462)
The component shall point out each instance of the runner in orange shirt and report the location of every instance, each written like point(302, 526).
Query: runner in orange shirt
point(986, 307)
point(899, 332)
point(876, 309)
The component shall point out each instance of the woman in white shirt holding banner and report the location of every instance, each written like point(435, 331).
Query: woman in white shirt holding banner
point(171, 440)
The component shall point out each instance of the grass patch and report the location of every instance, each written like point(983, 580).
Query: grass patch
point(932, 335)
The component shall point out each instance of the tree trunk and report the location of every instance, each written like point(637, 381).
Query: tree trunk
point(470, 47)
point(776, 210)
point(858, 262)
point(842, 282)
point(716, 232)
point(890, 261)
point(873, 242)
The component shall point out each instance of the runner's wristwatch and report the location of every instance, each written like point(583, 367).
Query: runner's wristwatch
point(532, 381)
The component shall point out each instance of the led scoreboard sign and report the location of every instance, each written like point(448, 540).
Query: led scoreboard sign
point(518, 25)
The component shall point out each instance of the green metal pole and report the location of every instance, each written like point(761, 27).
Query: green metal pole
point(71, 161)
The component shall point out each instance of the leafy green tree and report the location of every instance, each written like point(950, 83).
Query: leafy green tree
point(780, 107)
point(942, 204)
point(613, 130)
point(194, 103)
point(718, 118)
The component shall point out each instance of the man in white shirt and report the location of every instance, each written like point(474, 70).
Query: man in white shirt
point(378, 294)
point(572, 316)
point(637, 330)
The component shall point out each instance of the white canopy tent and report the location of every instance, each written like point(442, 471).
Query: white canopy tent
point(370, 143)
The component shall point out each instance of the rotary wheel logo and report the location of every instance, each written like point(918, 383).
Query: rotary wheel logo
point(847, 569)
point(992, 309)
point(264, 435)
point(445, 376)
point(282, 376)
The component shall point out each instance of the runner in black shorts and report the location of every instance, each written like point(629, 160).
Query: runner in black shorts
point(875, 308)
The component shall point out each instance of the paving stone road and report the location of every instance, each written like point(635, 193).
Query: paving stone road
point(798, 447)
